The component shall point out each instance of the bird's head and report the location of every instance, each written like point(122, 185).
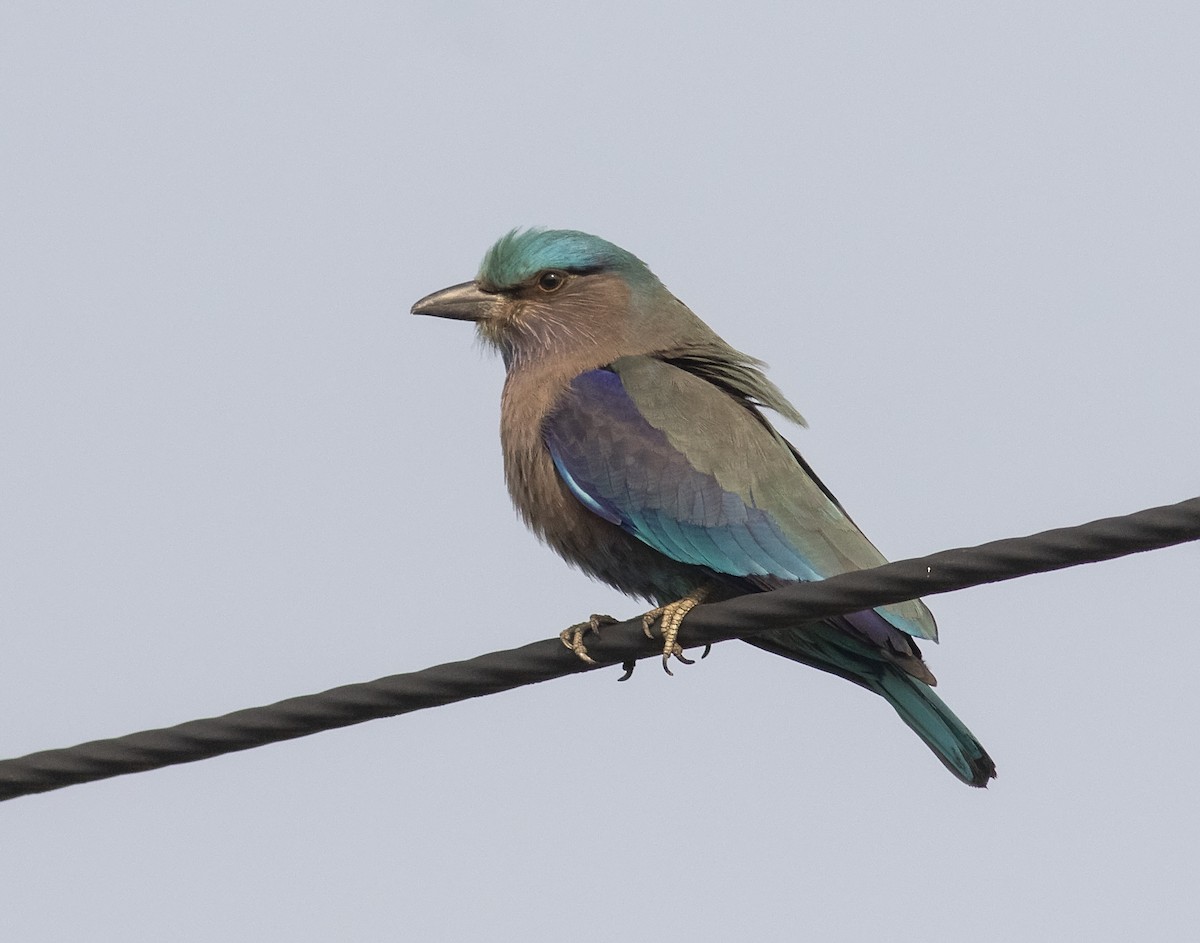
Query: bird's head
point(561, 293)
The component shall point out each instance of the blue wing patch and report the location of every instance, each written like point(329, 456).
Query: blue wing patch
point(626, 471)
point(602, 508)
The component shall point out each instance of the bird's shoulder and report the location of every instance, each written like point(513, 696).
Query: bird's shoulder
point(647, 413)
point(721, 434)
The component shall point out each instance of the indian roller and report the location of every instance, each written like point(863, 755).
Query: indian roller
point(636, 446)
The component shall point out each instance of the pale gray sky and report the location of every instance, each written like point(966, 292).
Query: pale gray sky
point(234, 469)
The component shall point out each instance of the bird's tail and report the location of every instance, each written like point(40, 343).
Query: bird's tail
point(826, 647)
point(934, 722)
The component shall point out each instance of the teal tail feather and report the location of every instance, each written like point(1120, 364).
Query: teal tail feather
point(934, 722)
point(828, 647)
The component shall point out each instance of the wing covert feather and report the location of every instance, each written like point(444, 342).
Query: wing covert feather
point(694, 473)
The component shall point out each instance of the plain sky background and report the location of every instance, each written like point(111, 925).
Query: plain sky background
point(234, 469)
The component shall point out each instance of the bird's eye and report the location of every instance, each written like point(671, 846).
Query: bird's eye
point(552, 280)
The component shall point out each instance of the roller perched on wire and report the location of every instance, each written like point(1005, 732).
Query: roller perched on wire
point(636, 446)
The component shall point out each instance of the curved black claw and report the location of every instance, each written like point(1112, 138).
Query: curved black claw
point(672, 617)
point(628, 666)
point(678, 653)
point(707, 649)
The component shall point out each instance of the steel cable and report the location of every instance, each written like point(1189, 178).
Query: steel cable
point(941, 572)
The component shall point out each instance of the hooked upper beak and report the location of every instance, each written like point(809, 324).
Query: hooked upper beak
point(465, 302)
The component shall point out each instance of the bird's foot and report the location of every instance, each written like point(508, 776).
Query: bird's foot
point(573, 637)
point(672, 617)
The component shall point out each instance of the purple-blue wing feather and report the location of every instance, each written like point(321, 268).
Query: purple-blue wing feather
point(627, 471)
point(687, 469)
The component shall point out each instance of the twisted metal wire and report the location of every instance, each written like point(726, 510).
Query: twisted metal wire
point(941, 572)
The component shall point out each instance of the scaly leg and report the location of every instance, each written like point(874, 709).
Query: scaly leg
point(672, 617)
point(573, 636)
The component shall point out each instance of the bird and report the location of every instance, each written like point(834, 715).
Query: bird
point(636, 445)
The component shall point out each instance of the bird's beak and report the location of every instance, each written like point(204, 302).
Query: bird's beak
point(465, 302)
